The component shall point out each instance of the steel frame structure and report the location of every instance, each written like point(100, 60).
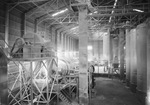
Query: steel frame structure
point(37, 82)
point(29, 79)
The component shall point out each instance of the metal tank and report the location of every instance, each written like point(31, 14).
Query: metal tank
point(128, 57)
point(142, 31)
point(148, 63)
point(133, 61)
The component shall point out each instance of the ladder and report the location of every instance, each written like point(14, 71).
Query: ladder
point(63, 98)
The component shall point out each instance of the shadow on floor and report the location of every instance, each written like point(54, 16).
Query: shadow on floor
point(113, 92)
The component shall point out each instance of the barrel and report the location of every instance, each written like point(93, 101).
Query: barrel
point(127, 57)
point(133, 61)
point(142, 31)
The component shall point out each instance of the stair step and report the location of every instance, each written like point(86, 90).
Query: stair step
point(64, 99)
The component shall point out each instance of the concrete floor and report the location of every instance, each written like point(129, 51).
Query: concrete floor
point(113, 92)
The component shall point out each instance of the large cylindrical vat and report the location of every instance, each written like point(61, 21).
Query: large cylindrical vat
point(142, 32)
point(127, 57)
point(148, 63)
point(133, 61)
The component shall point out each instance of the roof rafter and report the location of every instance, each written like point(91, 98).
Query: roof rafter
point(27, 1)
point(39, 8)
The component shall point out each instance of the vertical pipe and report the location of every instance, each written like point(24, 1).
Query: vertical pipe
point(7, 26)
point(23, 24)
point(128, 57)
point(142, 60)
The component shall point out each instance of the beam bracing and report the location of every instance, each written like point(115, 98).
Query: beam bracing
point(83, 56)
point(39, 8)
point(121, 52)
point(7, 26)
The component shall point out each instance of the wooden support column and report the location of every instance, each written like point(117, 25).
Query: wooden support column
point(7, 26)
point(83, 56)
point(128, 57)
point(121, 52)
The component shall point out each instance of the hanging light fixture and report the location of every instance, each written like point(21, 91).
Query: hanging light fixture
point(60, 12)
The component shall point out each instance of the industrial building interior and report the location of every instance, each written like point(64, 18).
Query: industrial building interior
point(74, 52)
